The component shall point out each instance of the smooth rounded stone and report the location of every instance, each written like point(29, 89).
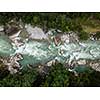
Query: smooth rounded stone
point(1, 28)
point(65, 38)
point(81, 62)
point(52, 62)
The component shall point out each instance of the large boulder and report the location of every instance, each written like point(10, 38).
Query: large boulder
point(35, 33)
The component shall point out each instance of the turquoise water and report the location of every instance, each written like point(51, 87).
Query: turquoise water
point(35, 52)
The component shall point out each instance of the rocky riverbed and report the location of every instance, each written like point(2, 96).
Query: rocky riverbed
point(23, 45)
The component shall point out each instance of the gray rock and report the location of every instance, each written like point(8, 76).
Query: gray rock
point(35, 33)
point(1, 28)
point(81, 62)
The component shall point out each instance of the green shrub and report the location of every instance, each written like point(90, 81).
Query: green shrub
point(83, 35)
point(58, 77)
point(24, 79)
point(97, 35)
